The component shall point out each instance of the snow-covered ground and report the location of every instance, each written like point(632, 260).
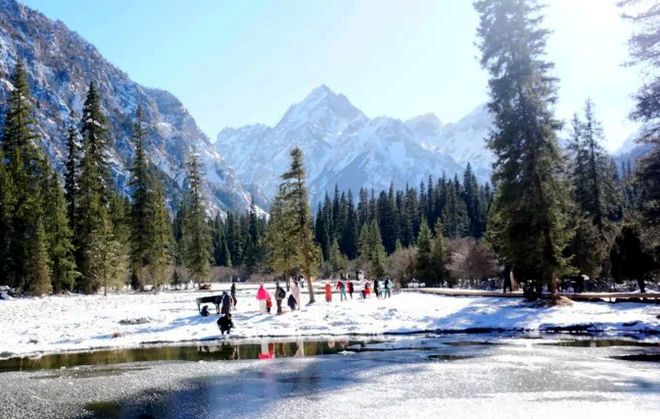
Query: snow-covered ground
point(60, 323)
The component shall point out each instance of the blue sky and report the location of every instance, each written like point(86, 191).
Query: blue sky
point(238, 62)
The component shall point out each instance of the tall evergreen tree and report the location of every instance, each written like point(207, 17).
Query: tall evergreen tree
point(282, 254)
point(300, 231)
point(62, 267)
point(531, 195)
point(161, 250)
point(350, 233)
point(252, 252)
point(644, 45)
point(93, 224)
point(71, 167)
point(142, 207)
point(423, 264)
point(196, 235)
point(25, 172)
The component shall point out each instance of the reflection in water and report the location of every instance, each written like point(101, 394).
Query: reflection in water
point(224, 351)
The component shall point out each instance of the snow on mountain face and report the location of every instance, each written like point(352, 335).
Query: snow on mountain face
point(60, 67)
point(464, 141)
point(260, 154)
point(342, 146)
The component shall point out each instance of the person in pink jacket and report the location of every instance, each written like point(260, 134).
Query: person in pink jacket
point(262, 296)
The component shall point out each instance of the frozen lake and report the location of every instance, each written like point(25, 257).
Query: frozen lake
point(416, 376)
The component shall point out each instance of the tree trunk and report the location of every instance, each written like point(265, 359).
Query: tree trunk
point(642, 285)
point(311, 290)
point(554, 287)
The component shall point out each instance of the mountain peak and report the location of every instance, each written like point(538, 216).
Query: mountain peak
point(321, 103)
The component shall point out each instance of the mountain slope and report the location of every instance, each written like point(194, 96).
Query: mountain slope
point(342, 146)
point(61, 66)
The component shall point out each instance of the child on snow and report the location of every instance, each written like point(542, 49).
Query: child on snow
point(328, 292)
point(291, 302)
point(269, 304)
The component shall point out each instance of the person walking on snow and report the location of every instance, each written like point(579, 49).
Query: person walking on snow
point(295, 291)
point(280, 294)
point(232, 292)
point(262, 296)
point(376, 288)
point(328, 292)
point(387, 288)
point(342, 290)
point(350, 288)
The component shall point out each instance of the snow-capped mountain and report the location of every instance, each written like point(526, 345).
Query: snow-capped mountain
point(61, 66)
point(463, 140)
point(343, 146)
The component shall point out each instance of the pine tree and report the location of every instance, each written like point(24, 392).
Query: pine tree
point(24, 173)
point(438, 256)
point(196, 236)
point(281, 250)
point(644, 51)
point(37, 277)
point(6, 204)
point(596, 194)
point(161, 250)
point(72, 166)
point(297, 204)
point(252, 251)
point(350, 234)
point(371, 249)
point(62, 267)
point(423, 263)
point(531, 195)
point(142, 207)
point(337, 260)
point(93, 224)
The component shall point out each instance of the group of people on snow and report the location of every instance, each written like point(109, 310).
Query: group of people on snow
point(345, 286)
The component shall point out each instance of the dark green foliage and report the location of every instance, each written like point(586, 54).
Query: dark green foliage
point(631, 258)
point(462, 210)
point(531, 197)
point(24, 183)
point(72, 167)
point(597, 194)
point(93, 226)
point(195, 235)
point(290, 239)
point(62, 264)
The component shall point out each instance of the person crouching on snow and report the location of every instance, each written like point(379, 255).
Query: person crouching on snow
point(225, 324)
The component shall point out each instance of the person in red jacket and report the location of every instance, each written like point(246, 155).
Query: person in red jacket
point(328, 292)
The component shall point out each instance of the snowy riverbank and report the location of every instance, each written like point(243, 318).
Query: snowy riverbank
point(61, 323)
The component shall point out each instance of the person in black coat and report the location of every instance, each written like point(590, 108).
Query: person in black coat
point(280, 294)
point(225, 303)
point(225, 323)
